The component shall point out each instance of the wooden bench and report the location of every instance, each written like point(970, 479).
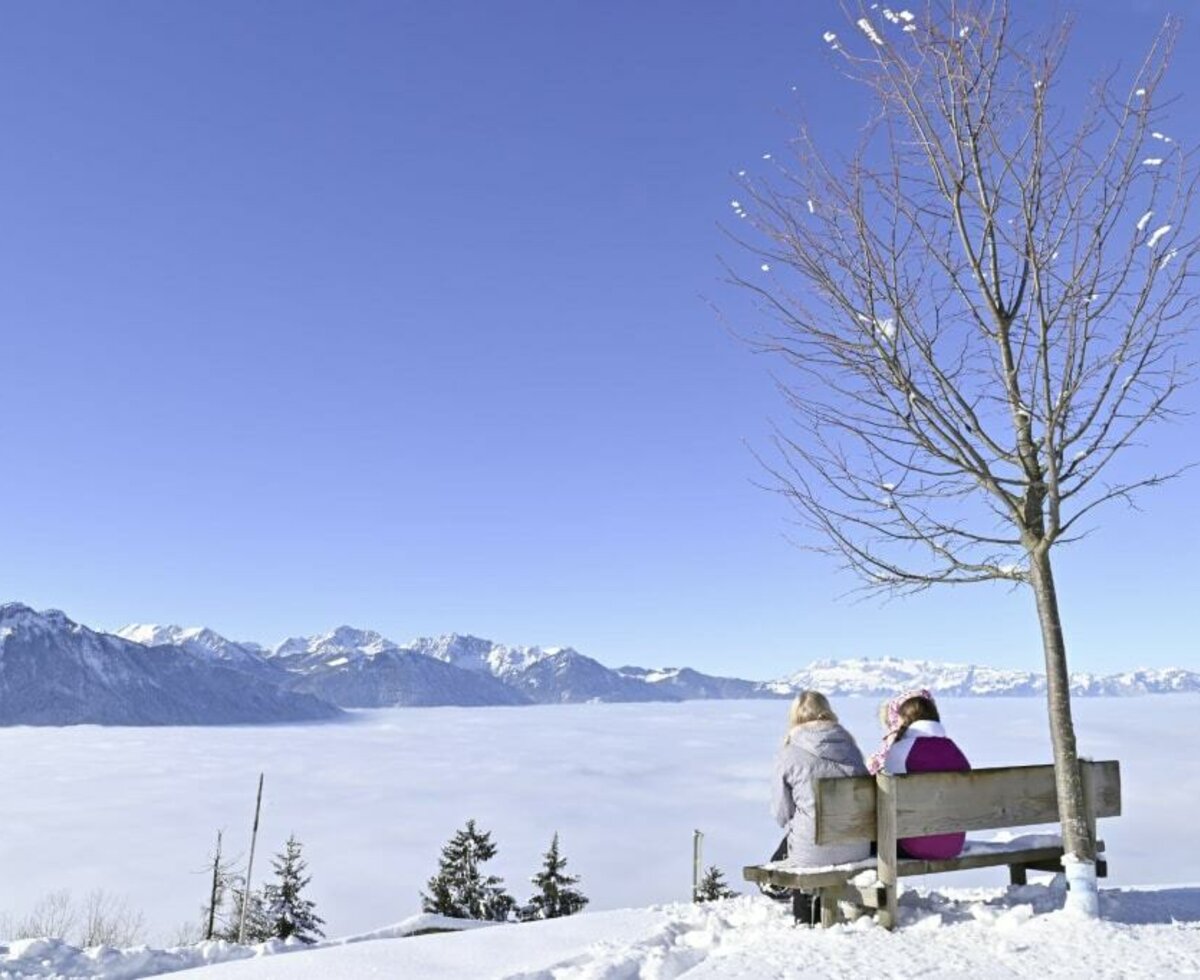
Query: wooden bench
point(885, 808)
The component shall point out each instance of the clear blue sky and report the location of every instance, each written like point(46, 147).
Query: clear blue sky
point(397, 314)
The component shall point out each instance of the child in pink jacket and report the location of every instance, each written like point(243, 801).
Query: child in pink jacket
point(916, 742)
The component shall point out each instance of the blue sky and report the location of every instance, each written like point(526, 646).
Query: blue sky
point(401, 315)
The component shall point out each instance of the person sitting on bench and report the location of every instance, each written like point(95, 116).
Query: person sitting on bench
point(816, 747)
point(915, 741)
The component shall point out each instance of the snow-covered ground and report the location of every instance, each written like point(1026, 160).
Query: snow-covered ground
point(134, 811)
point(953, 933)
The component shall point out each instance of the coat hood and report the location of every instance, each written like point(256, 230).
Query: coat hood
point(826, 740)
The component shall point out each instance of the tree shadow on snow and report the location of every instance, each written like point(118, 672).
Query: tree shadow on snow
point(1146, 907)
point(1129, 906)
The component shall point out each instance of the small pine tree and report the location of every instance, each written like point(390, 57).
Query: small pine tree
point(259, 927)
point(712, 886)
point(555, 896)
point(289, 914)
point(460, 889)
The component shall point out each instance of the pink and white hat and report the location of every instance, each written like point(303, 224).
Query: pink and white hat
point(889, 717)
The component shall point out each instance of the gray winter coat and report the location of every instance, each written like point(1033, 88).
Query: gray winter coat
point(814, 751)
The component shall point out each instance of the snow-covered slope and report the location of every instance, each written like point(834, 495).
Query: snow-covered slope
point(55, 672)
point(1018, 932)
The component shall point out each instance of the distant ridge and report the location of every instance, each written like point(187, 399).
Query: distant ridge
point(878, 677)
point(545, 675)
point(54, 671)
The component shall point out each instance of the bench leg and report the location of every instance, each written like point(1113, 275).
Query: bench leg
point(806, 908)
point(829, 906)
point(1016, 874)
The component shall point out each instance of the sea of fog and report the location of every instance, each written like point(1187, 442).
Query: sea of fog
point(135, 810)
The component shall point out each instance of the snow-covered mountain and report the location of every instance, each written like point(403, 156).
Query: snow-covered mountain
point(54, 671)
point(202, 643)
point(887, 675)
point(691, 685)
point(566, 676)
point(361, 668)
point(474, 653)
point(337, 647)
point(356, 668)
point(550, 675)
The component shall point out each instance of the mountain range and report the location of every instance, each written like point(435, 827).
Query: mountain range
point(54, 671)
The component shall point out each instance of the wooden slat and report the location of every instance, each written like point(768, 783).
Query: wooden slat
point(990, 859)
point(1105, 789)
point(936, 802)
point(845, 809)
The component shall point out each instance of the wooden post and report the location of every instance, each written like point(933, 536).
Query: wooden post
point(697, 850)
point(885, 829)
point(216, 888)
point(250, 863)
point(1017, 875)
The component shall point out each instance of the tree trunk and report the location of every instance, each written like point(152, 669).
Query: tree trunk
point(1078, 846)
point(215, 894)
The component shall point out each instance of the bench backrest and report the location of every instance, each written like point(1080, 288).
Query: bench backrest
point(937, 802)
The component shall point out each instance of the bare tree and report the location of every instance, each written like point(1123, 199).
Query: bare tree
point(53, 915)
point(185, 934)
point(224, 877)
point(982, 308)
point(108, 920)
point(102, 919)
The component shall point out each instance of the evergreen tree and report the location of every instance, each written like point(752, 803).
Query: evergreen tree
point(460, 889)
point(259, 927)
point(712, 886)
point(555, 895)
point(288, 913)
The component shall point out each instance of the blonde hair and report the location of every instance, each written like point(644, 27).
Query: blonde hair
point(810, 706)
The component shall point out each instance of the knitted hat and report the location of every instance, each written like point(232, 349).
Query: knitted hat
point(889, 718)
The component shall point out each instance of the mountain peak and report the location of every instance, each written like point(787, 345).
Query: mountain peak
point(199, 641)
point(14, 615)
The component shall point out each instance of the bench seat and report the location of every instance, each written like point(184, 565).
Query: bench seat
point(1034, 852)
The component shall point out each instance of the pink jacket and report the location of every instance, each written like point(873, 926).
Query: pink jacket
point(925, 747)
